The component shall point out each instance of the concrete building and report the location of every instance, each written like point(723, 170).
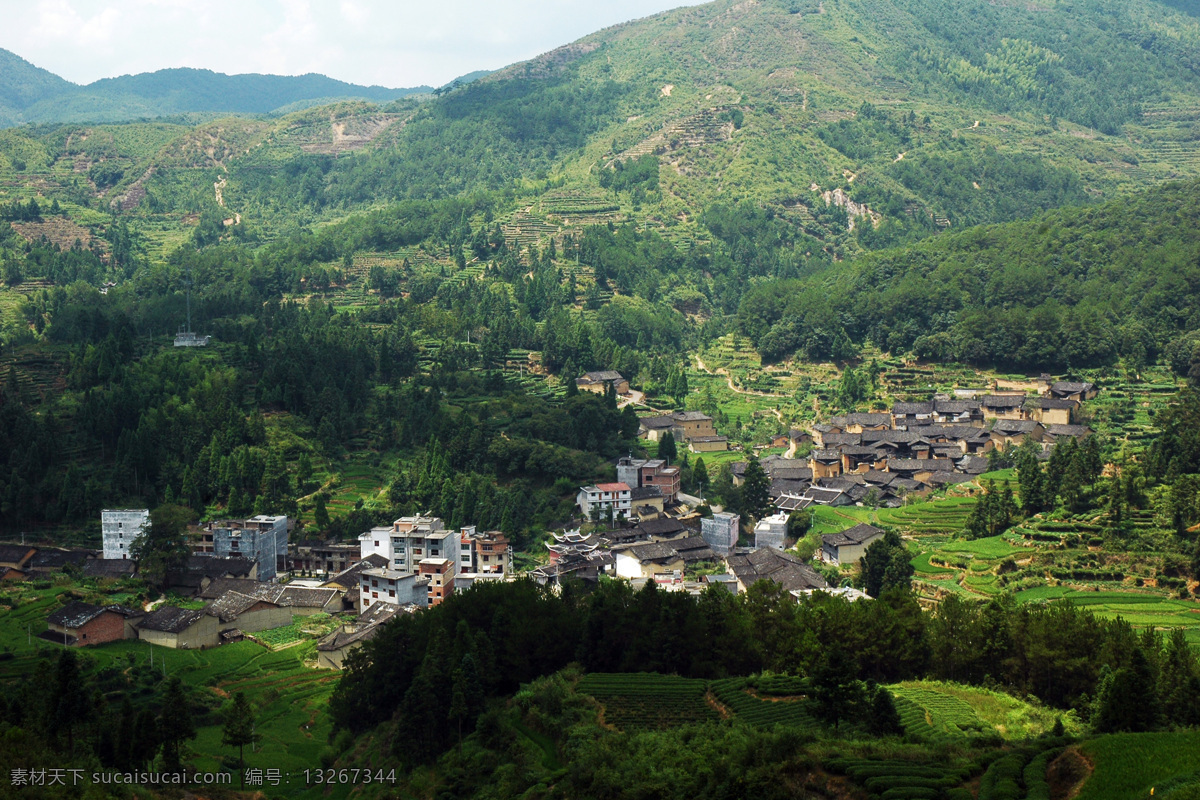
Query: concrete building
point(394, 587)
point(639, 473)
point(771, 531)
point(262, 539)
point(409, 541)
point(603, 496)
point(440, 574)
point(721, 532)
point(120, 527)
point(487, 553)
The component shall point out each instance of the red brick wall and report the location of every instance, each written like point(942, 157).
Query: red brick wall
point(107, 627)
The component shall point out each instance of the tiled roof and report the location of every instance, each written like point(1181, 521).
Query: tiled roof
point(169, 619)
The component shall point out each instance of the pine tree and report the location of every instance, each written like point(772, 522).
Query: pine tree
point(175, 725)
point(320, 513)
point(240, 730)
point(666, 447)
point(700, 474)
point(756, 489)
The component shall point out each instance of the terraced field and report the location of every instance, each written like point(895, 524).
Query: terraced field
point(779, 702)
point(648, 700)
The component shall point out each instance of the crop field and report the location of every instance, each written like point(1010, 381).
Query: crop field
point(1144, 609)
point(648, 700)
point(901, 779)
point(931, 714)
point(768, 703)
point(1138, 766)
point(970, 708)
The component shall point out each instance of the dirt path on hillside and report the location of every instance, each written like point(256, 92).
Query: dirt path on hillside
point(734, 389)
point(217, 187)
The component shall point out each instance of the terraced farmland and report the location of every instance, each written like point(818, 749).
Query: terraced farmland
point(768, 704)
point(648, 700)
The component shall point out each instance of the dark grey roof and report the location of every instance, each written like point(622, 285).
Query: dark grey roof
point(109, 567)
point(948, 478)
point(74, 615)
point(296, 596)
point(831, 439)
point(1015, 426)
point(228, 606)
point(782, 486)
point(972, 465)
point(644, 492)
point(869, 452)
point(1050, 402)
point(170, 619)
point(1003, 400)
point(14, 553)
point(349, 576)
point(653, 551)
point(657, 422)
point(904, 409)
point(822, 496)
point(825, 455)
point(955, 406)
point(1071, 387)
point(1078, 431)
point(691, 416)
point(57, 559)
point(862, 419)
point(916, 465)
point(899, 437)
point(878, 477)
point(600, 376)
point(770, 564)
point(794, 471)
point(665, 526)
point(220, 586)
point(856, 535)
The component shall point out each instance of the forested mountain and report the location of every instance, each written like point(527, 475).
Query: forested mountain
point(34, 95)
point(912, 114)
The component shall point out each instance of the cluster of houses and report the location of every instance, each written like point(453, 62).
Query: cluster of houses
point(693, 428)
point(882, 457)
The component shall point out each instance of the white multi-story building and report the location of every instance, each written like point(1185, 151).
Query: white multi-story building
point(409, 541)
point(120, 527)
point(393, 586)
point(603, 496)
point(771, 531)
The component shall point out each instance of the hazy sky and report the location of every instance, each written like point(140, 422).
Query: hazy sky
point(392, 43)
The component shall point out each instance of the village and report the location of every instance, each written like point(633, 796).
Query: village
point(242, 578)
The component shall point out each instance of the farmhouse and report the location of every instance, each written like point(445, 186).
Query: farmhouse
point(109, 568)
point(16, 556)
point(333, 649)
point(252, 614)
point(787, 570)
point(599, 382)
point(1071, 390)
point(848, 546)
point(1049, 410)
point(180, 628)
point(85, 624)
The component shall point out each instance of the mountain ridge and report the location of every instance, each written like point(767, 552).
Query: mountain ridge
point(31, 94)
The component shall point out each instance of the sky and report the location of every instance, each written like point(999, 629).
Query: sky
point(393, 43)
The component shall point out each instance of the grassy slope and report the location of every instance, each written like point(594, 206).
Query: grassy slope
point(1129, 766)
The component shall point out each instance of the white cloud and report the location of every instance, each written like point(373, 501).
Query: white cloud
point(388, 42)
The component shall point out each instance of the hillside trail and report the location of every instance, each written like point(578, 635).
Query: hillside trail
point(732, 388)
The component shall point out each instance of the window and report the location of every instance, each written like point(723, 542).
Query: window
point(375, 583)
point(374, 594)
point(377, 544)
point(391, 592)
